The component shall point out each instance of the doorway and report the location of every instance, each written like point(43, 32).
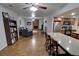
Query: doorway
point(36, 24)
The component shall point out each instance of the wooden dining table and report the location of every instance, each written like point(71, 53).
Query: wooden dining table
point(68, 44)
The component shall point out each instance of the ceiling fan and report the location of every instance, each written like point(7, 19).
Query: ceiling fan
point(37, 6)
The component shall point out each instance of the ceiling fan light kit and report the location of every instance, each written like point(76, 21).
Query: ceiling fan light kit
point(33, 9)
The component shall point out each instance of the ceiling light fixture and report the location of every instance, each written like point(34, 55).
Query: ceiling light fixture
point(33, 15)
point(59, 18)
point(33, 19)
point(62, 16)
point(72, 13)
point(33, 9)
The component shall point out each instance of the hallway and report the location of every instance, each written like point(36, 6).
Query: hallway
point(27, 46)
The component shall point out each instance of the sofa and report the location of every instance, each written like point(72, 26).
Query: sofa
point(25, 32)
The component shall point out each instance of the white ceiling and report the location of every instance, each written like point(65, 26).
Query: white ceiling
point(18, 7)
point(68, 13)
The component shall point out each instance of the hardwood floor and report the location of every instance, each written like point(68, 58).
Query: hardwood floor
point(27, 46)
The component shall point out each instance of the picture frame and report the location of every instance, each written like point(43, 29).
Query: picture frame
point(29, 23)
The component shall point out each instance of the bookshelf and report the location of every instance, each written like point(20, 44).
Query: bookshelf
point(10, 26)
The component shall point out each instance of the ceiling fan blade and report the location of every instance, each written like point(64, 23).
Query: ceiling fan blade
point(28, 5)
point(25, 7)
point(42, 7)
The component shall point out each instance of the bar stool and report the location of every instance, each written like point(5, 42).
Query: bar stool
point(51, 45)
point(48, 42)
point(54, 48)
point(46, 36)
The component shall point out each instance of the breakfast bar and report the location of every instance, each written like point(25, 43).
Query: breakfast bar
point(69, 44)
